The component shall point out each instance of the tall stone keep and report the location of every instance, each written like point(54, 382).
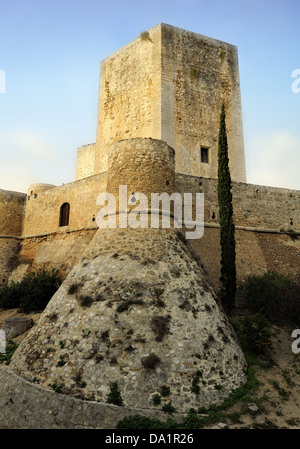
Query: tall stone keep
point(168, 84)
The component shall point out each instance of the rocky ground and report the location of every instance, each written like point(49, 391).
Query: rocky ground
point(275, 402)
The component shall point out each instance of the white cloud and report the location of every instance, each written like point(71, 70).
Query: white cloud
point(274, 160)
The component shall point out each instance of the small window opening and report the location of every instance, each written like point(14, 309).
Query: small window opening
point(167, 183)
point(204, 155)
point(64, 215)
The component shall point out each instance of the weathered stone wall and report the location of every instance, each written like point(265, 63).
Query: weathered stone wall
point(54, 250)
point(11, 212)
point(256, 253)
point(147, 165)
point(43, 209)
point(45, 409)
point(136, 310)
point(12, 206)
point(254, 206)
point(144, 165)
point(198, 73)
point(129, 95)
point(85, 163)
point(9, 249)
point(169, 84)
point(133, 293)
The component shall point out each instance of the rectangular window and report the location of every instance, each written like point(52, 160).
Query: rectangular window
point(204, 155)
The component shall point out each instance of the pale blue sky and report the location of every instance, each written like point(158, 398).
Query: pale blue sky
point(50, 52)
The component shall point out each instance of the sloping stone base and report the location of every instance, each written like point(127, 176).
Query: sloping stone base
point(135, 310)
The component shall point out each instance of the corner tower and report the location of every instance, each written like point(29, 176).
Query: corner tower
point(168, 84)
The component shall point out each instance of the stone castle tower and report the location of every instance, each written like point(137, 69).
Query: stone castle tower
point(168, 84)
point(136, 307)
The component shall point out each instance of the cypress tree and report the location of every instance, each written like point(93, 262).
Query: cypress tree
point(227, 238)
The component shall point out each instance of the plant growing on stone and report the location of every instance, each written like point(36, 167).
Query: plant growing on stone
point(156, 399)
point(165, 391)
point(58, 388)
point(145, 36)
point(227, 229)
point(74, 288)
point(85, 301)
point(151, 362)
point(126, 303)
point(61, 361)
point(168, 408)
point(114, 396)
point(160, 326)
point(158, 293)
point(195, 383)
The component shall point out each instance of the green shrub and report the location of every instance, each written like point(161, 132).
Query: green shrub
point(275, 295)
point(32, 293)
point(256, 331)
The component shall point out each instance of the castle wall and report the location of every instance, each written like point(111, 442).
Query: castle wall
point(59, 250)
point(254, 206)
point(169, 84)
point(43, 209)
point(85, 163)
point(43, 243)
point(144, 165)
point(11, 216)
point(129, 95)
point(134, 162)
point(256, 253)
point(17, 394)
point(11, 212)
point(198, 73)
point(264, 218)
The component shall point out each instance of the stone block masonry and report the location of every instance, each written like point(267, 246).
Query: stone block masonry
point(170, 86)
point(12, 208)
point(135, 310)
point(45, 409)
